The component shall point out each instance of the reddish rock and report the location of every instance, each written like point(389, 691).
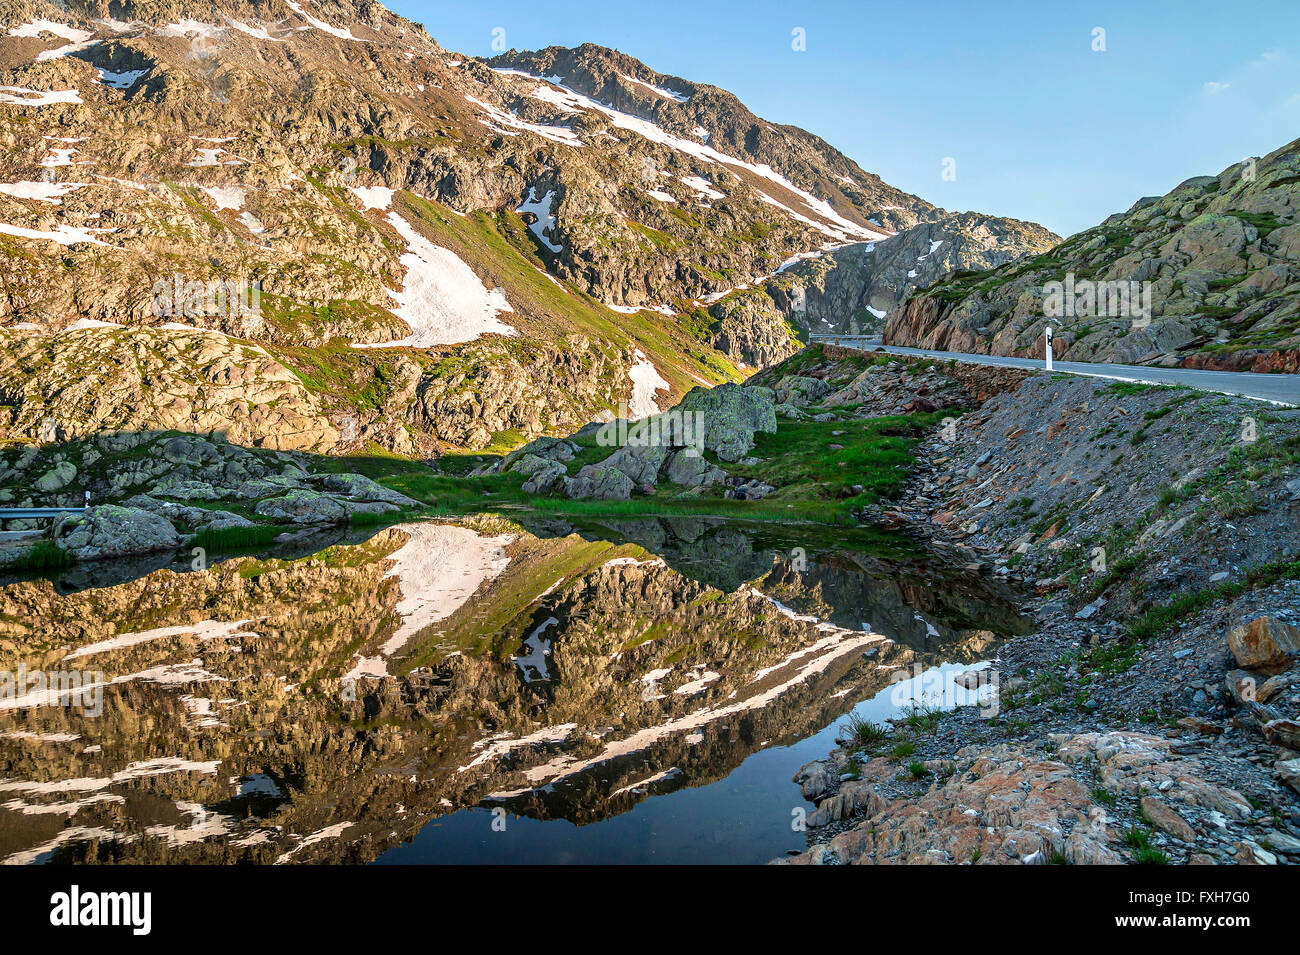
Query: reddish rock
point(1264, 642)
point(1166, 820)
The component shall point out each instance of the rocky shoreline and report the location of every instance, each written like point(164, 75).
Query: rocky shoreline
point(1152, 714)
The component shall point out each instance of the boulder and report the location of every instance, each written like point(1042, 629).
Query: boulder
point(1282, 733)
point(544, 448)
point(109, 530)
point(1288, 770)
point(190, 490)
point(303, 507)
point(543, 479)
point(1264, 642)
point(692, 470)
point(732, 414)
point(816, 778)
point(361, 488)
point(599, 482)
point(56, 478)
point(641, 463)
point(1166, 820)
point(799, 390)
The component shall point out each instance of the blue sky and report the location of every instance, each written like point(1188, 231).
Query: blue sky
point(1040, 125)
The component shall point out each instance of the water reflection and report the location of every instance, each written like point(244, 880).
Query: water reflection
point(331, 699)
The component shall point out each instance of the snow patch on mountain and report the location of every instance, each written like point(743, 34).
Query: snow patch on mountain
point(122, 80)
point(40, 191)
point(62, 234)
point(21, 96)
point(646, 380)
point(556, 134)
point(343, 33)
point(226, 197)
point(666, 93)
point(541, 209)
point(831, 222)
point(703, 187)
point(373, 197)
point(442, 300)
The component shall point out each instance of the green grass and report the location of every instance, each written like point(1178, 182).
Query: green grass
point(924, 720)
point(43, 555)
point(1103, 796)
point(917, 769)
point(863, 731)
point(902, 749)
point(1135, 837)
point(1164, 616)
point(237, 538)
point(876, 456)
point(1149, 855)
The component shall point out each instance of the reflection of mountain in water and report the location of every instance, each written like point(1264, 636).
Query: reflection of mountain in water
point(594, 666)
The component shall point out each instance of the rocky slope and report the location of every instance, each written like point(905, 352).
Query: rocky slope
point(1220, 256)
point(445, 252)
point(854, 290)
point(1151, 711)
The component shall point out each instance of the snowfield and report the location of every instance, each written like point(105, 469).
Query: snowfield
point(50, 192)
point(62, 234)
point(373, 197)
point(226, 197)
point(541, 208)
point(21, 96)
point(442, 299)
point(667, 94)
point(646, 380)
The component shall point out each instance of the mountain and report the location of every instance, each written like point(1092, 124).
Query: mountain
point(855, 289)
point(305, 226)
point(1219, 257)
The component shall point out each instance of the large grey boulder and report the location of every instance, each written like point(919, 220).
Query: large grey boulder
point(544, 477)
point(190, 449)
point(109, 530)
point(361, 488)
point(190, 490)
point(693, 470)
point(799, 390)
point(544, 448)
point(56, 478)
point(599, 482)
point(732, 413)
point(640, 463)
point(303, 507)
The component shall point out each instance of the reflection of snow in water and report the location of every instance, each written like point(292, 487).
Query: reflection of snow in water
point(258, 784)
point(798, 667)
point(532, 665)
point(647, 782)
point(438, 568)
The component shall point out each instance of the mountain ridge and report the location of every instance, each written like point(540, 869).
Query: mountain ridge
point(449, 255)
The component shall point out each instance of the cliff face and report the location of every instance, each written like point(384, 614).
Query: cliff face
point(856, 290)
point(1207, 275)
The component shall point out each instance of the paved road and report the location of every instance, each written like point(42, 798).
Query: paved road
point(1284, 389)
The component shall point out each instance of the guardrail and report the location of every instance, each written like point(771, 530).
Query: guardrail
point(34, 513)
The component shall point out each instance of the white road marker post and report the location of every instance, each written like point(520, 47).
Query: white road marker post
point(1049, 348)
